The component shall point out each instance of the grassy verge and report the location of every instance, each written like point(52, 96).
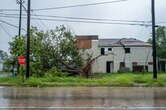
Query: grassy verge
point(110, 80)
point(1, 72)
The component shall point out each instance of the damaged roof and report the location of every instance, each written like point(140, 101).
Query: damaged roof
point(87, 37)
point(123, 42)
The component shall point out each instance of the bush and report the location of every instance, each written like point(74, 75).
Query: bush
point(54, 72)
point(124, 70)
point(33, 82)
point(36, 69)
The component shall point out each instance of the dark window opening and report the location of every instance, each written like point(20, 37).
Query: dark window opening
point(127, 50)
point(109, 49)
point(122, 65)
point(102, 51)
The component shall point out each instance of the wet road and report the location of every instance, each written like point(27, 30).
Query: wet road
point(82, 98)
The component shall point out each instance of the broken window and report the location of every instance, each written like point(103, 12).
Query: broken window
point(102, 51)
point(109, 49)
point(127, 50)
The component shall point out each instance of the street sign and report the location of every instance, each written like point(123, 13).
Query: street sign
point(150, 63)
point(21, 60)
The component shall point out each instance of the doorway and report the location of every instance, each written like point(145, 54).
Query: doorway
point(109, 67)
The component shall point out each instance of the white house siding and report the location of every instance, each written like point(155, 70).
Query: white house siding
point(142, 55)
point(1, 66)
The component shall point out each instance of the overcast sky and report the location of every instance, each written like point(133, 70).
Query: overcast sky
point(128, 10)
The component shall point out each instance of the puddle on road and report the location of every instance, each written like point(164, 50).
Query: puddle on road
point(83, 98)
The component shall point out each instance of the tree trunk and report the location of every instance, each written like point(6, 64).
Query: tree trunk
point(84, 75)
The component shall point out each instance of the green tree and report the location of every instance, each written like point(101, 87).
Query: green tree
point(48, 49)
point(3, 59)
point(3, 55)
point(160, 41)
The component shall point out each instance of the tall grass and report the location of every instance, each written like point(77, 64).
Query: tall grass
point(127, 79)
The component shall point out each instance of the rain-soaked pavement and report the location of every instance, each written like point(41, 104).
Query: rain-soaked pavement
point(82, 98)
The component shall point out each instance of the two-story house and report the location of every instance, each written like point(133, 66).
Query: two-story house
point(127, 54)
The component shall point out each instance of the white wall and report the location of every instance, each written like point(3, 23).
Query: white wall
point(1, 66)
point(142, 55)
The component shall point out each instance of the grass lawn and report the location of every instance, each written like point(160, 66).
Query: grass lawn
point(110, 80)
point(1, 72)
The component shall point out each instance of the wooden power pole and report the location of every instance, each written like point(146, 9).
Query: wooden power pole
point(154, 41)
point(28, 40)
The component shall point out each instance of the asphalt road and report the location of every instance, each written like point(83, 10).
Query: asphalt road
point(82, 98)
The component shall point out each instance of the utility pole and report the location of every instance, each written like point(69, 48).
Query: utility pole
point(20, 24)
point(28, 40)
point(20, 18)
point(154, 40)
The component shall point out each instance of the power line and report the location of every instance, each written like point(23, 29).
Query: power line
point(81, 21)
point(80, 5)
point(12, 25)
point(96, 22)
point(84, 18)
point(1, 10)
point(5, 30)
point(41, 22)
point(70, 6)
point(140, 22)
point(161, 22)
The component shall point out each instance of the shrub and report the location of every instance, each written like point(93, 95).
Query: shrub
point(36, 69)
point(54, 72)
point(34, 82)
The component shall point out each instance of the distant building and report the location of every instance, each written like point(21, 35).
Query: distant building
point(1, 64)
point(127, 54)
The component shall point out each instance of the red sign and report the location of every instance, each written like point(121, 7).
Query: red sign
point(21, 60)
point(150, 63)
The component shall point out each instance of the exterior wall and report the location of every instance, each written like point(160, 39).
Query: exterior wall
point(141, 55)
point(1, 66)
point(84, 44)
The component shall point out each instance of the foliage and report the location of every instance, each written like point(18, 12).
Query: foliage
point(17, 46)
point(54, 72)
point(3, 55)
point(3, 59)
point(8, 64)
point(54, 48)
point(161, 41)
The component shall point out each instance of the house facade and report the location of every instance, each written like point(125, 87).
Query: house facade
point(1, 65)
point(126, 54)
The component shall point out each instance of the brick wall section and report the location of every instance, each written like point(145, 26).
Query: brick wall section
point(84, 44)
point(85, 41)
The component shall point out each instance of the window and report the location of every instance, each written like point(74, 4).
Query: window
point(109, 49)
point(127, 50)
point(102, 51)
point(122, 65)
